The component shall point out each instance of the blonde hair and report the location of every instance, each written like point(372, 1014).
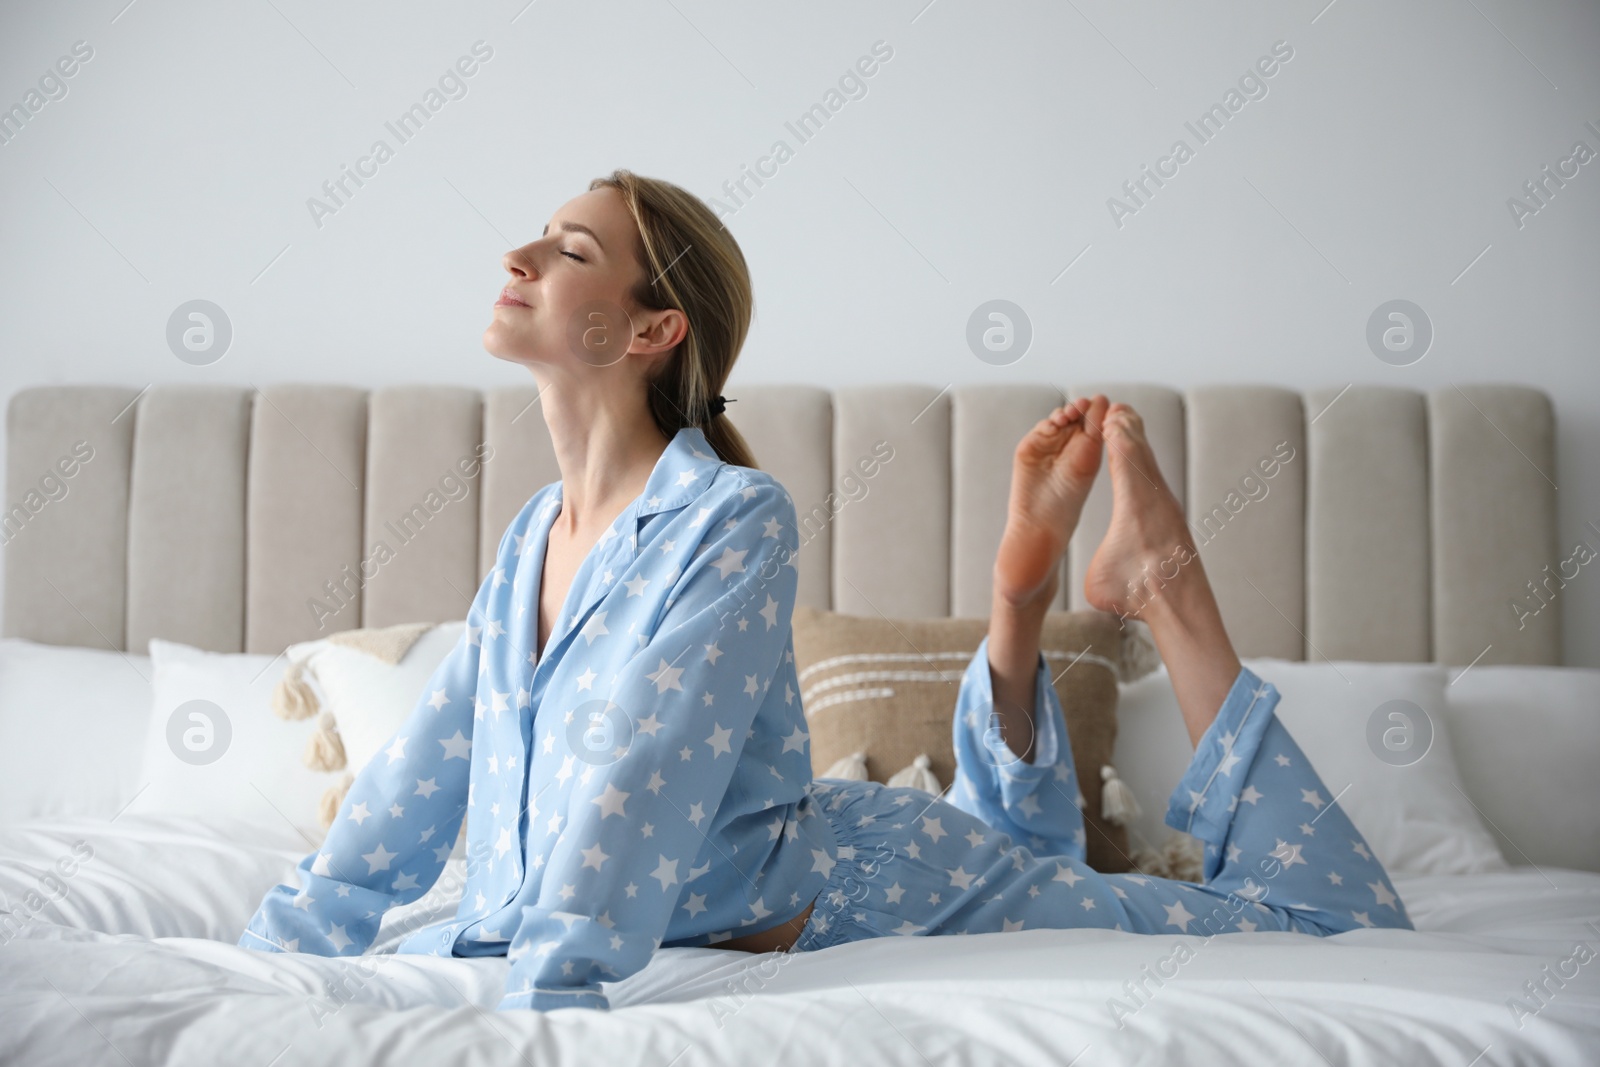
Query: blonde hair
point(692, 264)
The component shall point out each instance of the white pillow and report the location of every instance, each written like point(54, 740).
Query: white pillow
point(72, 721)
point(214, 747)
point(370, 699)
point(1528, 739)
point(1366, 726)
point(1151, 753)
point(1411, 813)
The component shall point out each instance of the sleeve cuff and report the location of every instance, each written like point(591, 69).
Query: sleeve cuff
point(259, 942)
point(546, 1000)
point(279, 926)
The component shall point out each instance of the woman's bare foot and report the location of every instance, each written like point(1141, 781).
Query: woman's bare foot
point(1052, 470)
point(1148, 568)
point(1148, 542)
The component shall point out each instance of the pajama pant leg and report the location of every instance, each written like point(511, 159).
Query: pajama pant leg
point(1278, 854)
point(1273, 834)
point(1039, 802)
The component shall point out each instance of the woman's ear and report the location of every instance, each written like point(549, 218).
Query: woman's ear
point(659, 331)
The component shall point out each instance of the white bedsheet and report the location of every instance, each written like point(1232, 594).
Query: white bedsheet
point(136, 963)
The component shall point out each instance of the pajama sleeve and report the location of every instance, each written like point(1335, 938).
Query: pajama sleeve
point(398, 823)
point(680, 709)
point(1036, 803)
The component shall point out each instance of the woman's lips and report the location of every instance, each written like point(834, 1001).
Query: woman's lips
point(511, 300)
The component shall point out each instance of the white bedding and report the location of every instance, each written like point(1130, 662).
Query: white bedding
point(136, 963)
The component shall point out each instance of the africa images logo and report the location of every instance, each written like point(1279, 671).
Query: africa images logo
point(452, 85)
point(1252, 86)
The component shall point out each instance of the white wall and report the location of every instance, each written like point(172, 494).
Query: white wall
point(978, 165)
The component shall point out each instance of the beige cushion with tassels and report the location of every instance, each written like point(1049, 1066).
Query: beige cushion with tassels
point(895, 721)
point(362, 685)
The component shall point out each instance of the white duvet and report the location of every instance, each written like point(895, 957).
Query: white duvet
point(130, 958)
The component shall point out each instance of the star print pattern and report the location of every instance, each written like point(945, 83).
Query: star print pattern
point(911, 864)
point(603, 783)
point(602, 810)
point(1029, 801)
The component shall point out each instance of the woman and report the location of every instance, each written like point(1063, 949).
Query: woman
point(620, 723)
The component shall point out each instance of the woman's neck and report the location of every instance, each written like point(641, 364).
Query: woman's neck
point(606, 447)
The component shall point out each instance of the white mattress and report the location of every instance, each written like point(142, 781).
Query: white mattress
point(137, 963)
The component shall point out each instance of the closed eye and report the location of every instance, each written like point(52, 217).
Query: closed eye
point(575, 256)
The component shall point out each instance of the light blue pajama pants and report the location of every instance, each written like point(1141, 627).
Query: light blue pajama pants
point(1279, 854)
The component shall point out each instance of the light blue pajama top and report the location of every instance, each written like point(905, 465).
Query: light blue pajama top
point(647, 781)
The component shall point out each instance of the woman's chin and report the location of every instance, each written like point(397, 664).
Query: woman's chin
point(498, 345)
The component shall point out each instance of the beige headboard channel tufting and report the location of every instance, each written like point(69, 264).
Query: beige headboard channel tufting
point(1395, 525)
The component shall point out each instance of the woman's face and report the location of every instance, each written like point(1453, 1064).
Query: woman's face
point(574, 285)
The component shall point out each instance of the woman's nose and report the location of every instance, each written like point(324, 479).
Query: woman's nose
point(517, 264)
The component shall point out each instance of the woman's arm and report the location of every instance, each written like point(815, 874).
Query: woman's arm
point(398, 823)
point(686, 700)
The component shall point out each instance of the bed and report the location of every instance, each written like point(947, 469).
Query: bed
point(1409, 532)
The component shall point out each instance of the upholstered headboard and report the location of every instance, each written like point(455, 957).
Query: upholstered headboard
point(1394, 525)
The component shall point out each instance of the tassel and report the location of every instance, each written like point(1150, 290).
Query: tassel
point(333, 799)
point(324, 749)
point(1184, 858)
point(1117, 803)
point(1151, 862)
point(293, 698)
point(853, 767)
point(917, 776)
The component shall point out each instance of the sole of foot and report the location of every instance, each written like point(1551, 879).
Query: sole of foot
point(1052, 471)
point(1147, 536)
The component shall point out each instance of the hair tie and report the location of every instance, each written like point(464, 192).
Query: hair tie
point(719, 404)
